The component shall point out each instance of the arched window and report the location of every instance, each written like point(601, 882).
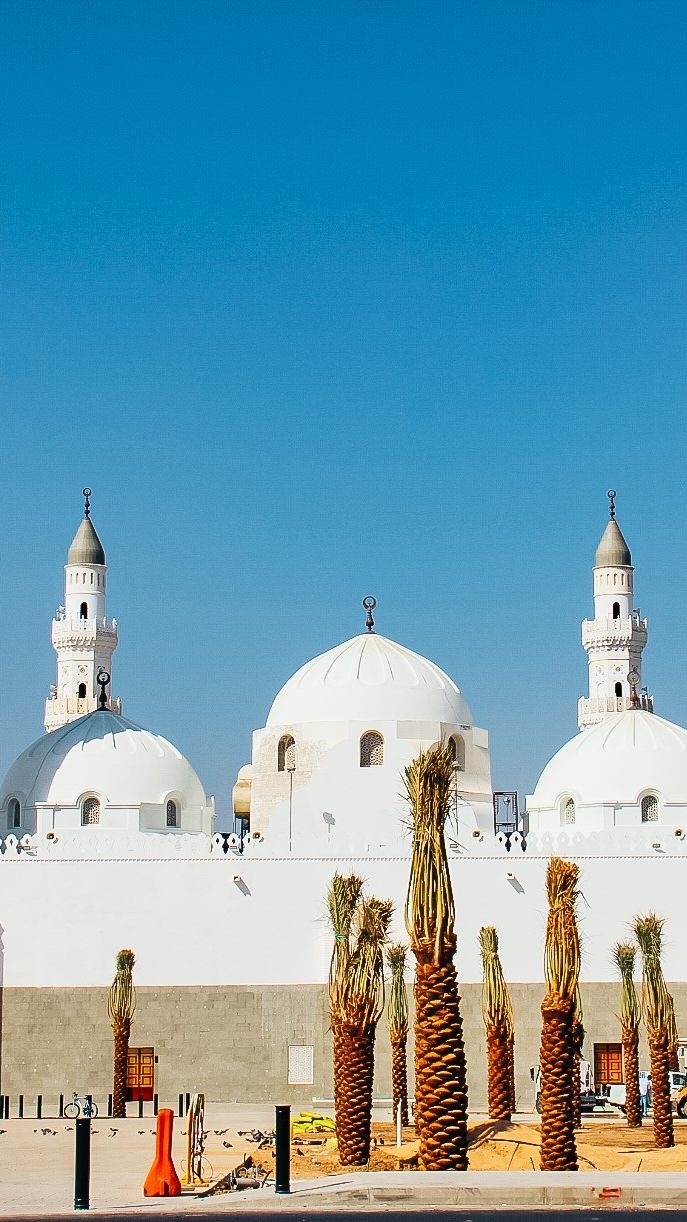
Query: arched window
point(650, 809)
point(13, 813)
point(286, 754)
point(616, 610)
point(83, 611)
point(172, 814)
point(569, 811)
point(618, 689)
point(371, 750)
point(82, 691)
point(456, 746)
point(90, 812)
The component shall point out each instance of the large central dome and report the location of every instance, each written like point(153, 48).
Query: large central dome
point(369, 679)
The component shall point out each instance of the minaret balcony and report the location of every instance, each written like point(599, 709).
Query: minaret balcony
point(592, 710)
point(80, 633)
point(611, 633)
point(61, 709)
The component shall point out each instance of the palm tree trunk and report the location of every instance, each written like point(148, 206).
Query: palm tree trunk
point(499, 1086)
point(578, 1040)
point(558, 1151)
point(440, 1076)
point(633, 1107)
point(399, 1075)
point(121, 1028)
point(355, 1072)
point(659, 1053)
point(511, 1071)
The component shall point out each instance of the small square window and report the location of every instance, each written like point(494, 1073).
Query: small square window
point(301, 1065)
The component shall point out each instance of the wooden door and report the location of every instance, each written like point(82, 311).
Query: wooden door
point(608, 1064)
point(140, 1073)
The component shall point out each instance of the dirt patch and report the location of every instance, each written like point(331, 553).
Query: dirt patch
point(495, 1146)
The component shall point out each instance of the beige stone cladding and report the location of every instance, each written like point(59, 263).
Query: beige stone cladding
point(232, 1042)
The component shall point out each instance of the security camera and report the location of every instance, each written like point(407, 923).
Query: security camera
point(679, 833)
point(51, 836)
point(477, 835)
point(256, 836)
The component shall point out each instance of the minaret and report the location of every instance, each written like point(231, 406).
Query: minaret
point(83, 638)
point(615, 638)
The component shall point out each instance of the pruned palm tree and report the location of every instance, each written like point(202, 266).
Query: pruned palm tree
point(441, 1100)
point(121, 1004)
point(624, 957)
point(397, 1015)
point(657, 1015)
point(497, 1013)
point(578, 1043)
point(557, 1057)
point(674, 1039)
point(356, 1001)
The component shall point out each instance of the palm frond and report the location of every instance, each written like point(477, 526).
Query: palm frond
point(429, 905)
point(624, 956)
point(562, 951)
point(121, 999)
point(648, 931)
point(342, 900)
point(496, 1004)
point(397, 1005)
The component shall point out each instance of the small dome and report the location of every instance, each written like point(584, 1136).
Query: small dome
point(612, 551)
point(616, 761)
point(105, 754)
point(369, 679)
point(86, 547)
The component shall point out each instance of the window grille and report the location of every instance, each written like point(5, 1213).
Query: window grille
point(569, 811)
point(90, 812)
point(371, 750)
point(457, 749)
point(650, 809)
point(172, 814)
point(301, 1071)
point(13, 813)
point(286, 754)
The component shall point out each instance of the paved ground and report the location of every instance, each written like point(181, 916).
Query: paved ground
point(37, 1177)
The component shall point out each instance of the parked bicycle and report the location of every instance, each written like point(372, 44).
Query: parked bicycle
point(81, 1106)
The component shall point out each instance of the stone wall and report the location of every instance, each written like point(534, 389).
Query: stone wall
point(232, 1041)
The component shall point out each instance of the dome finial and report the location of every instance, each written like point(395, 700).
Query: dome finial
point(87, 493)
point(369, 604)
point(633, 680)
point(102, 679)
point(611, 508)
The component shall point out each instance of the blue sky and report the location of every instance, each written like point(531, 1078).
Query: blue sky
point(328, 300)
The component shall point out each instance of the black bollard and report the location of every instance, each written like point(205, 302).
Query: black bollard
point(82, 1163)
point(282, 1150)
point(7, 1107)
point(140, 1108)
point(2, 1107)
point(39, 1107)
point(109, 1105)
point(181, 1105)
point(188, 1101)
point(60, 1111)
point(20, 1111)
point(156, 1104)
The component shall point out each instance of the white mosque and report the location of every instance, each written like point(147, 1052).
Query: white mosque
point(110, 842)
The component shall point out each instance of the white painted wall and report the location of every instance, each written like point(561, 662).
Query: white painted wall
point(260, 919)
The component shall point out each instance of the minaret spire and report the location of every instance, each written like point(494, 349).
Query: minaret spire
point(82, 636)
point(615, 638)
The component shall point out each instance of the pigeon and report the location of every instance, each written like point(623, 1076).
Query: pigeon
point(5, 1130)
point(227, 1145)
point(69, 1128)
point(141, 1132)
point(220, 1132)
point(49, 1132)
point(300, 1153)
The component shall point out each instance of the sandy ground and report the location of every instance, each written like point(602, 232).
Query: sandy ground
point(603, 1146)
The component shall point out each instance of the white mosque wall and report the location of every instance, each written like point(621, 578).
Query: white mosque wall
point(218, 919)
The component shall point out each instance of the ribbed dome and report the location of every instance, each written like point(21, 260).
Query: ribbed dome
point(612, 551)
point(624, 756)
point(369, 679)
point(86, 547)
point(105, 754)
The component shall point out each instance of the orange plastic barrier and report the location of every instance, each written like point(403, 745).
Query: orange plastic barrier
point(162, 1179)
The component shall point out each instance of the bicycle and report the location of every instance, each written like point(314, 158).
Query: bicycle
point(79, 1106)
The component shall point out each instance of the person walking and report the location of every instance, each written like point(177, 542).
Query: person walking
point(644, 1093)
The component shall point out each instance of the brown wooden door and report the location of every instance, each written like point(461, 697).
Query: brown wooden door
point(608, 1064)
point(140, 1073)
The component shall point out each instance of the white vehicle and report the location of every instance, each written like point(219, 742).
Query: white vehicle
point(678, 1081)
point(589, 1098)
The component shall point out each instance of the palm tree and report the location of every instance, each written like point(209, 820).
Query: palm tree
point(441, 1099)
point(397, 1015)
point(657, 1014)
point(674, 1039)
point(624, 956)
point(121, 1004)
point(356, 1003)
point(497, 1013)
point(557, 1056)
point(578, 1042)
point(342, 900)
